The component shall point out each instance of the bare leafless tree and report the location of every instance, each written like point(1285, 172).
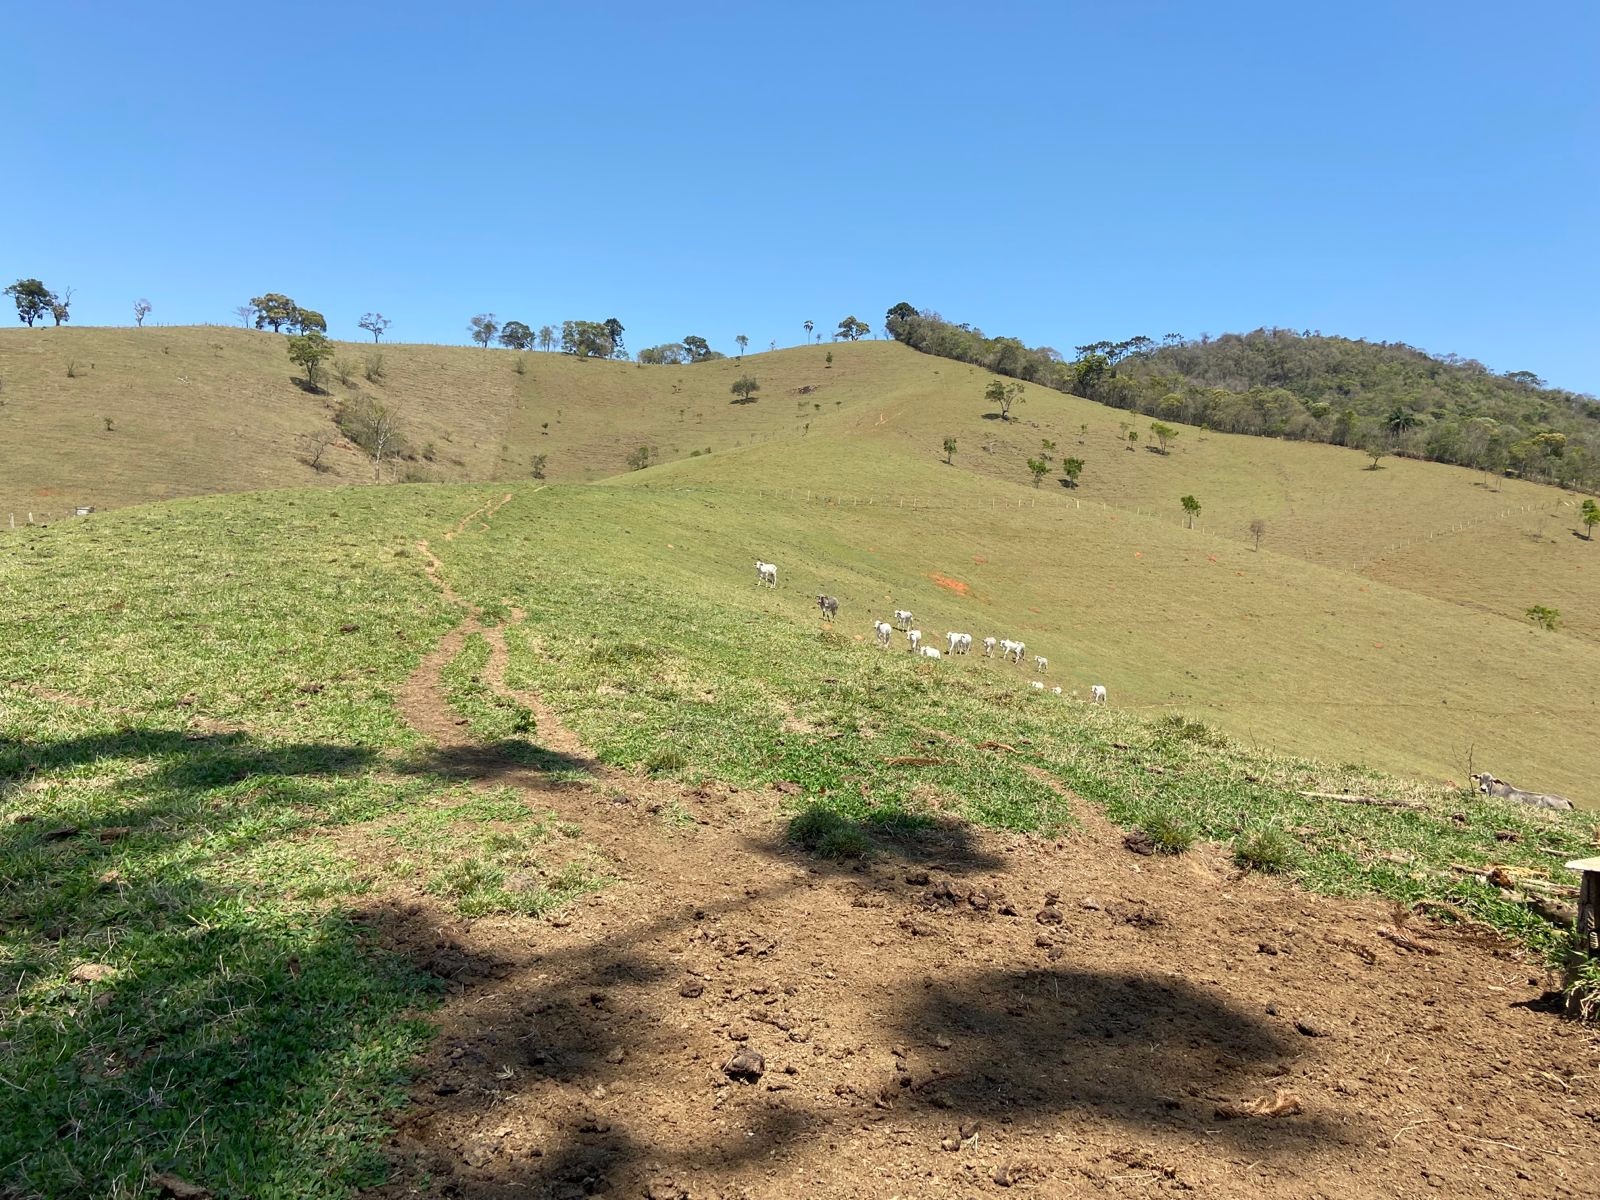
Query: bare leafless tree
point(314, 445)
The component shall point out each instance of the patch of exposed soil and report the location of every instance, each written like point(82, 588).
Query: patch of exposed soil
point(992, 1012)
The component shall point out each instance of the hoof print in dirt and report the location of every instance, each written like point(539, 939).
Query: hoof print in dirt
point(747, 1066)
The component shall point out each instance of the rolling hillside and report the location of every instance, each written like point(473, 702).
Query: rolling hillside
point(1381, 621)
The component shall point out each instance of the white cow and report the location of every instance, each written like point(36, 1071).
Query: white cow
point(884, 631)
point(902, 618)
point(1036, 685)
point(1041, 663)
point(1097, 694)
point(1011, 650)
point(929, 652)
point(766, 573)
point(1056, 690)
point(988, 647)
point(958, 643)
point(914, 636)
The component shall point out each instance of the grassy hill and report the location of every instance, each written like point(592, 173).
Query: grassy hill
point(1381, 621)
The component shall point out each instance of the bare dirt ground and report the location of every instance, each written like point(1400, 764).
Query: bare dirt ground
point(979, 1014)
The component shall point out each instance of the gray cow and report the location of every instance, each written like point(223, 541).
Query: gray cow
point(1490, 786)
point(829, 606)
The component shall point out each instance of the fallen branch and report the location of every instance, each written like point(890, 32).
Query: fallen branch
point(1407, 942)
point(992, 745)
point(916, 760)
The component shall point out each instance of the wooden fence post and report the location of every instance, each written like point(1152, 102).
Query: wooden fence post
point(1588, 904)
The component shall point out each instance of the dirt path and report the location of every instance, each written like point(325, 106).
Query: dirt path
point(975, 1014)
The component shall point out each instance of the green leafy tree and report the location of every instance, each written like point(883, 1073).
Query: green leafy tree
point(141, 310)
point(536, 465)
point(308, 320)
point(32, 298)
point(744, 388)
point(274, 309)
point(614, 331)
point(639, 459)
point(852, 330)
point(1133, 439)
point(1589, 514)
point(1377, 450)
point(61, 306)
point(1191, 509)
point(743, 342)
point(1164, 434)
point(949, 449)
point(1071, 468)
point(828, 362)
point(514, 335)
point(1003, 395)
point(669, 354)
point(308, 350)
point(374, 323)
point(1545, 618)
point(547, 337)
point(698, 348)
point(1039, 468)
point(1401, 419)
point(483, 327)
point(898, 320)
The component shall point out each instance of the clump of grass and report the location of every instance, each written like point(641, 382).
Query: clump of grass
point(664, 760)
point(676, 816)
point(345, 369)
point(825, 832)
point(72, 368)
point(1168, 834)
point(618, 654)
point(373, 367)
point(1583, 990)
point(1175, 727)
point(1269, 849)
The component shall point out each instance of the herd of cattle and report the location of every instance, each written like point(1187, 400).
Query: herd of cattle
point(1012, 651)
point(955, 643)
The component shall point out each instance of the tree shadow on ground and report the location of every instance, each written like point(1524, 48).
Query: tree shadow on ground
point(143, 997)
point(553, 1070)
point(488, 760)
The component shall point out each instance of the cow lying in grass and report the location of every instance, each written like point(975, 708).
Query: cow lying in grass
point(1490, 786)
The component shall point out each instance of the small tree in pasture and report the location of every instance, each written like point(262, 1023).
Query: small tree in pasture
point(308, 350)
point(639, 458)
point(1071, 468)
point(1164, 434)
point(1589, 514)
point(1003, 395)
point(1258, 528)
point(1039, 468)
point(1133, 439)
point(949, 449)
point(536, 465)
point(744, 388)
point(1545, 618)
point(374, 426)
point(141, 310)
point(483, 327)
point(374, 323)
point(1191, 509)
point(314, 445)
point(1377, 450)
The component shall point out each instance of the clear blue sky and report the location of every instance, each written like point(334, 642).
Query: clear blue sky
point(1422, 172)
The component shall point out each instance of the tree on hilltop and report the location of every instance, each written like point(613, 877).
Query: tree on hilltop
point(896, 318)
point(483, 327)
point(1191, 509)
point(744, 388)
point(32, 298)
point(809, 326)
point(698, 348)
point(586, 339)
point(614, 332)
point(852, 330)
point(246, 314)
point(308, 320)
point(141, 310)
point(61, 306)
point(743, 342)
point(514, 335)
point(274, 309)
point(547, 337)
point(374, 323)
